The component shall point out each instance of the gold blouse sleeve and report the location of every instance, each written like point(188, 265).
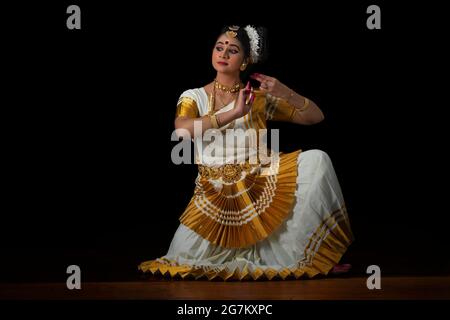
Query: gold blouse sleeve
point(187, 107)
point(278, 109)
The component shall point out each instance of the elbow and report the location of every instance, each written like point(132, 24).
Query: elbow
point(180, 131)
point(321, 117)
point(316, 119)
point(318, 116)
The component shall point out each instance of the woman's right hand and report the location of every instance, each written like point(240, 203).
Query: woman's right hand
point(244, 101)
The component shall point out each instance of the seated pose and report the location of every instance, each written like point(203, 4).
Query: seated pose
point(279, 217)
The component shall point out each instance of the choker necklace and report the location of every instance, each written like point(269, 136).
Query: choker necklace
point(235, 88)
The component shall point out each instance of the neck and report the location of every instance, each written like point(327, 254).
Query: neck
point(228, 79)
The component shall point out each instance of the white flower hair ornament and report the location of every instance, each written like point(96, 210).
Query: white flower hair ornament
point(254, 43)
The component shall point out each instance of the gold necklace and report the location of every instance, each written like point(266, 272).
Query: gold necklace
point(212, 103)
point(235, 88)
point(223, 103)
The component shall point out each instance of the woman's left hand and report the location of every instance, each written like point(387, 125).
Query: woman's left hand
point(272, 85)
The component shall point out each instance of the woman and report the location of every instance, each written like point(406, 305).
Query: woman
point(245, 220)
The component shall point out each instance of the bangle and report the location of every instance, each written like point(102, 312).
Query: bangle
point(294, 111)
point(217, 121)
point(305, 105)
point(214, 122)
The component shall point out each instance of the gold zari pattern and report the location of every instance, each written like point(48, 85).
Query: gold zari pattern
point(323, 251)
point(245, 211)
point(228, 173)
point(187, 107)
point(236, 206)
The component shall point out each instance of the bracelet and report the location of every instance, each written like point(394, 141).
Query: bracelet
point(219, 125)
point(214, 122)
point(305, 105)
point(294, 111)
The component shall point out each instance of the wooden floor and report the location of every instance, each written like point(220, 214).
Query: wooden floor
point(353, 288)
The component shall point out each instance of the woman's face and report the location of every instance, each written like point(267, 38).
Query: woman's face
point(227, 55)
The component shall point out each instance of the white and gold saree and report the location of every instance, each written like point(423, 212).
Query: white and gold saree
point(247, 222)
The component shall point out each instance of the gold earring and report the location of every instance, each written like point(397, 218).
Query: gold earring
point(243, 66)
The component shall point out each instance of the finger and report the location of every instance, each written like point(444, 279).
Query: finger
point(248, 88)
point(266, 85)
point(250, 97)
point(243, 94)
point(259, 77)
point(253, 96)
point(263, 89)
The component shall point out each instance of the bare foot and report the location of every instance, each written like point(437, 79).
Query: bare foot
point(341, 268)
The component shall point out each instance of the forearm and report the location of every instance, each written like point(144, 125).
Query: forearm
point(306, 111)
point(186, 126)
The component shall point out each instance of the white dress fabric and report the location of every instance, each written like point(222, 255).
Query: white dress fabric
point(310, 241)
point(318, 196)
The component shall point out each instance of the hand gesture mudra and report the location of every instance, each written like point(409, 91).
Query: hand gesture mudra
point(244, 101)
point(272, 86)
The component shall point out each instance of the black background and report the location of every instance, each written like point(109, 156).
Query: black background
point(88, 114)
